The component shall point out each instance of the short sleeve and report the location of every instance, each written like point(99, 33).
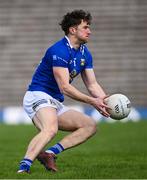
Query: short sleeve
point(59, 61)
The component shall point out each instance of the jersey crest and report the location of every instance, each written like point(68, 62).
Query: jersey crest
point(82, 62)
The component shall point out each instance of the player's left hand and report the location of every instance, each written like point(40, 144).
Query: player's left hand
point(103, 107)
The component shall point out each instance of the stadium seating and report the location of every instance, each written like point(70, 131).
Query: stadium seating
point(118, 44)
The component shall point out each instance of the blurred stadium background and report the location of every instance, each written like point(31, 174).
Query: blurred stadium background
point(118, 43)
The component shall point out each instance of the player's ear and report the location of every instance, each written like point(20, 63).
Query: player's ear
point(72, 30)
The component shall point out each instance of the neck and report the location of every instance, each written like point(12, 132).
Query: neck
point(74, 42)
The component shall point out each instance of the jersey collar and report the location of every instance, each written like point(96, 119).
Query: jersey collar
point(68, 42)
point(81, 48)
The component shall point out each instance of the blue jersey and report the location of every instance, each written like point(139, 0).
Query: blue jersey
point(59, 55)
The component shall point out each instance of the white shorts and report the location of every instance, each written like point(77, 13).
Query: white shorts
point(34, 100)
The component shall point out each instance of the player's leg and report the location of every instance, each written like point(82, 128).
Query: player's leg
point(46, 121)
point(81, 125)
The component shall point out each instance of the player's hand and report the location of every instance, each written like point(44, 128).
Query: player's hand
point(99, 104)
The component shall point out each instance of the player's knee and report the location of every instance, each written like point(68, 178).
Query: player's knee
point(50, 133)
point(92, 126)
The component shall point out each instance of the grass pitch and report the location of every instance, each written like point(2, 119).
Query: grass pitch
point(117, 151)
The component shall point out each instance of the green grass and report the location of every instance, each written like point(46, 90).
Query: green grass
point(118, 151)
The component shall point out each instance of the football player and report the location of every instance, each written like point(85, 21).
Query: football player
point(43, 101)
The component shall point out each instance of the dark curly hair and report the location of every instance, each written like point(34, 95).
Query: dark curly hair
point(74, 18)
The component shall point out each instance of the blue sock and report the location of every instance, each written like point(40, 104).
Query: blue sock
point(56, 149)
point(25, 164)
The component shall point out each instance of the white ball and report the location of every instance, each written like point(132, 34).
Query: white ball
point(120, 106)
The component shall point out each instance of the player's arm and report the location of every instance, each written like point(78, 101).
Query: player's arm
point(62, 78)
point(91, 83)
point(93, 87)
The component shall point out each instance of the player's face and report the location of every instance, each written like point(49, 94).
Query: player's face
point(83, 32)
